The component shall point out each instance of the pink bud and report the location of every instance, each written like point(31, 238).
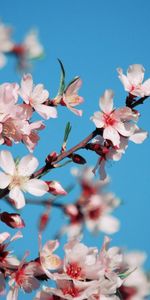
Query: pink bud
point(12, 220)
point(55, 188)
point(51, 157)
point(44, 218)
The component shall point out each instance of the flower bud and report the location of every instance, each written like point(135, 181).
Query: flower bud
point(12, 220)
point(51, 157)
point(78, 159)
point(44, 218)
point(55, 188)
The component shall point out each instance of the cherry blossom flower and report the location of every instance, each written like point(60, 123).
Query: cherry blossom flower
point(6, 258)
point(137, 285)
point(67, 289)
point(70, 98)
point(32, 45)
point(17, 178)
point(36, 96)
point(6, 44)
point(115, 122)
point(23, 278)
point(133, 81)
point(29, 49)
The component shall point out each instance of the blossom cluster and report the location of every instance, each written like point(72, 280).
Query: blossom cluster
point(84, 273)
point(30, 48)
point(93, 207)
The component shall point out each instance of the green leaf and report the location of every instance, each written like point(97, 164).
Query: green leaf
point(62, 79)
point(67, 132)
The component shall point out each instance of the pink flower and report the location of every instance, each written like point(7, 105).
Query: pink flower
point(132, 82)
point(70, 98)
point(33, 47)
point(48, 260)
point(68, 289)
point(36, 96)
point(8, 99)
point(6, 44)
point(23, 278)
point(17, 178)
point(115, 122)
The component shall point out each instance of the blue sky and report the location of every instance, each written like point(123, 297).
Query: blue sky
point(92, 38)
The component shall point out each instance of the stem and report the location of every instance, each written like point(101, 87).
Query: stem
point(47, 167)
point(65, 154)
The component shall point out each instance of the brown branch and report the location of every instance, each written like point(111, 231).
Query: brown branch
point(65, 154)
point(131, 102)
point(48, 166)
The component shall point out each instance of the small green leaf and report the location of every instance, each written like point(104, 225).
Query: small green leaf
point(67, 132)
point(62, 79)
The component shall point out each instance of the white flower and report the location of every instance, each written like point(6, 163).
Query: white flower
point(17, 178)
point(132, 82)
point(32, 45)
point(35, 96)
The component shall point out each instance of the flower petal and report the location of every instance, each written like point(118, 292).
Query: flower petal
point(124, 79)
point(7, 162)
point(26, 87)
point(27, 165)
point(36, 187)
point(97, 118)
point(111, 134)
point(46, 111)
point(4, 180)
point(17, 196)
point(106, 101)
point(146, 87)
point(109, 224)
point(135, 74)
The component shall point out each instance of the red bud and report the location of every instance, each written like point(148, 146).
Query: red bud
point(12, 220)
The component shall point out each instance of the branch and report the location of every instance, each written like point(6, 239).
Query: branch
point(48, 166)
point(130, 102)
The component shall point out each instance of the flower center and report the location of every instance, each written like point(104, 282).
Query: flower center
point(18, 181)
point(74, 292)
point(73, 270)
point(109, 121)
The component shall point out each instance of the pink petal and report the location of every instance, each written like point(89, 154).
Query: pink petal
point(27, 165)
point(109, 224)
point(106, 102)
point(135, 74)
point(13, 294)
point(124, 79)
point(77, 112)
point(98, 119)
point(39, 94)
point(16, 236)
point(7, 162)
point(46, 111)
point(125, 129)
point(146, 87)
point(17, 196)
point(26, 87)
point(139, 136)
point(73, 87)
point(4, 236)
point(111, 134)
point(4, 180)
point(36, 187)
